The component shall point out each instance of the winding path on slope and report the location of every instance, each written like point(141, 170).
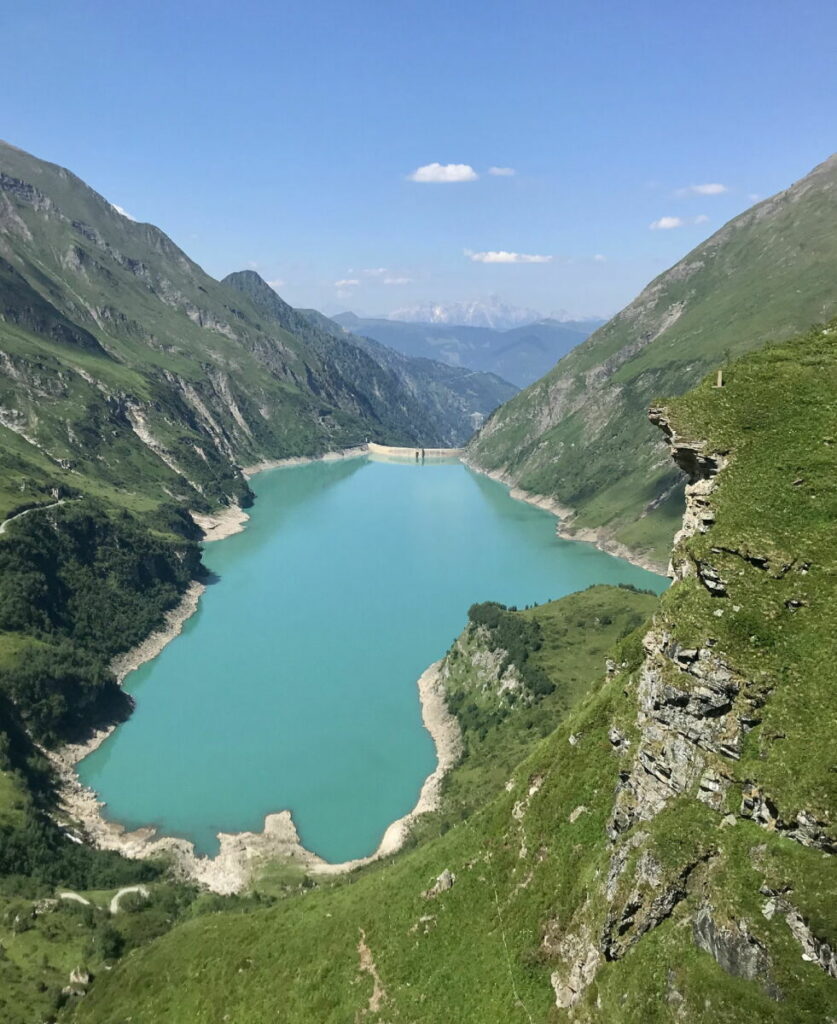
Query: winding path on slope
point(37, 508)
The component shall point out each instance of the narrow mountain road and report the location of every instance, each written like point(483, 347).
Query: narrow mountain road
point(37, 508)
point(114, 903)
point(74, 896)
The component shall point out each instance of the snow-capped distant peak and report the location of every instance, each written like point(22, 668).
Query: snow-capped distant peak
point(474, 313)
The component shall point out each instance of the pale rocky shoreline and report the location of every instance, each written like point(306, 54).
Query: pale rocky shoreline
point(301, 460)
point(598, 537)
point(241, 854)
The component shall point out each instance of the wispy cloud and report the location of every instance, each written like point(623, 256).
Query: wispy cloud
point(374, 271)
point(600, 258)
point(701, 219)
point(666, 223)
point(443, 173)
point(124, 213)
point(397, 280)
point(502, 172)
point(501, 256)
point(347, 282)
point(754, 197)
point(710, 189)
point(277, 283)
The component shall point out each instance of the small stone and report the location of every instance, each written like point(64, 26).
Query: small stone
point(576, 814)
point(728, 820)
point(573, 739)
point(769, 909)
point(718, 612)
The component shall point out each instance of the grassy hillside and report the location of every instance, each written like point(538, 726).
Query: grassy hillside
point(580, 434)
point(667, 853)
point(128, 373)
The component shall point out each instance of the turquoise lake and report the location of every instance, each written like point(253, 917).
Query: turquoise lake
point(294, 684)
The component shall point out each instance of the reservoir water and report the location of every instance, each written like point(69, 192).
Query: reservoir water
point(294, 684)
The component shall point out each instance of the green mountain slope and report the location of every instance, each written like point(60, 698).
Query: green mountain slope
point(667, 853)
point(455, 396)
point(427, 392)
point(129, 373)
point(580, 433)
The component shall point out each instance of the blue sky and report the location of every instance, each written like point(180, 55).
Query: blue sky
point(282, 135)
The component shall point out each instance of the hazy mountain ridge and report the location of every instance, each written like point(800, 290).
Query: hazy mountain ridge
point(459, 396)
point(580, 434)
point(491, 312)
point(455, 401)
point(519, 354)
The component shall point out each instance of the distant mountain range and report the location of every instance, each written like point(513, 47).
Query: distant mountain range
point(491, 312)
point(519, 354)
point(454, 399)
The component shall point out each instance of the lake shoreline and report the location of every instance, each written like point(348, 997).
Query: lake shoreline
point(243, 854)
point(597, 537)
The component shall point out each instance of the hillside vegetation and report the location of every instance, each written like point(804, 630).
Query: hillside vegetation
point(581, 435)
point(128, 373)
point(667, 853)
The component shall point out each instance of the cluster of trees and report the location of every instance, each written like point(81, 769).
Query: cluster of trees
point(79, 584)
point(519, 637)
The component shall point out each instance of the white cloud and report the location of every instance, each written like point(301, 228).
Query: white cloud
point(374, 271)
point(666, 224)
point(444, 173)
point(710, 189)
point(502, 172)
point(277, 283)
point(600, 258)
point(123, 212)
point(701, 218)
point(501, 256)
point(344, 282)
point(397, 280)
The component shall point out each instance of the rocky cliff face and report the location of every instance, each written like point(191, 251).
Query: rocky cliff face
point(698, 706)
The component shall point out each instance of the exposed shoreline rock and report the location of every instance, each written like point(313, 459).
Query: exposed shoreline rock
point(598, 537)
point(302, 460)
point(242, 854)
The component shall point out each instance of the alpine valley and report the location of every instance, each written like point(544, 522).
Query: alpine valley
point(632, 818)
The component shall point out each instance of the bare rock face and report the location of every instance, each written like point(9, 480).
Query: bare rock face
point(733, 948)
point(444, 882)
point(581, 957)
